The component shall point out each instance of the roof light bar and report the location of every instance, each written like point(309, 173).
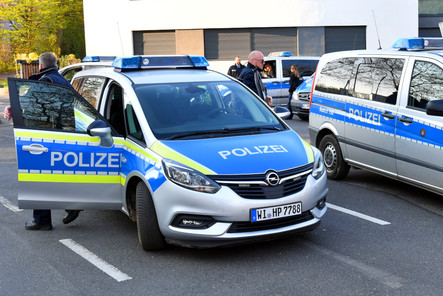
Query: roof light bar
point(418, 43)
point(158, 62)
point(280, 54)
point(98, 58)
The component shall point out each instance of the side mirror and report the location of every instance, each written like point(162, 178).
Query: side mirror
point(435, 108)
point(282, 112)
point(100, 129)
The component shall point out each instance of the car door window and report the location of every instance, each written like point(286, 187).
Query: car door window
point(91, 89)
point(54, 107)
point(114, 108)
point(377, 79)
point(426, 84)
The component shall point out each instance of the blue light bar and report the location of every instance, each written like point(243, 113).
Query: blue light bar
point(199, 61)
point(280, 54)
point(98, 58)
point(418, 43)
point(409, 43)
point(159, 62)
point(128, 63)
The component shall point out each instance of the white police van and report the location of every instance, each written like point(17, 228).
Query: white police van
point(382, 111)
point(276, 80)
point(192, 155)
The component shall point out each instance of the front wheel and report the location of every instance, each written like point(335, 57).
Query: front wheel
point(336, 167)
point(149, 234)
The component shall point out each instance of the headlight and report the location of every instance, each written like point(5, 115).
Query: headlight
point(188, 177)
point(319, 167)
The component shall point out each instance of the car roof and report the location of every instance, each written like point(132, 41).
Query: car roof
point(390, 52)
point(155, 76)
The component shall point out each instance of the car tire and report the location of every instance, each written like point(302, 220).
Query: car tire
point(303, 116)
point(336, 167)
point(149, 234)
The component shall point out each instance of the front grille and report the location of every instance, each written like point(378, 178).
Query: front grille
point(304, 96)
point(238, 227)
point(255, 187)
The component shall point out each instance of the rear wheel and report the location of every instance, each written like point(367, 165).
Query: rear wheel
point(336, 167)
point(149, 234)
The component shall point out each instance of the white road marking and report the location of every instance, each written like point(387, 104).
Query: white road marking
point(379, 275)
point(357, 214)
point(95, 260)
point(7, 204)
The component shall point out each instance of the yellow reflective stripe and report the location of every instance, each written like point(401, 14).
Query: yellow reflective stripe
point(167, 152)
point(56, 136)
point(59, 178)
point(309, 152)
point(83, 117)
point(120, 141)
point(139, 150)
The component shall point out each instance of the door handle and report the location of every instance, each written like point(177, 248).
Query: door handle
point(35, 148)
point(406, 119)
point(388, 115)
point(275, 82)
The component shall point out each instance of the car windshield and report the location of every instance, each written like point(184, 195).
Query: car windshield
point(203, 110)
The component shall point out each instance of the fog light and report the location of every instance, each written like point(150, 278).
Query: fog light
point(193, 222)
point(321, 203)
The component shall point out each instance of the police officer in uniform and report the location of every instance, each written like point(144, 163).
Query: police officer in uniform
point(236, 69)
point(49, 73)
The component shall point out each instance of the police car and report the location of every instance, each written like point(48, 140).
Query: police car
point(276, 79)
point(382, 111)
point(301, 98)
point(191, 155)
point(88, 62)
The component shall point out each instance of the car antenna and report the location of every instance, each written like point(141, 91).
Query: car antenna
point(376, 29)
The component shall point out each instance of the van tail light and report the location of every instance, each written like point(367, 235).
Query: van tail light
point(312, 88)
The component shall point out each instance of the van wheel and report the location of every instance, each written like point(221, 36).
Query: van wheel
point(336, 167)
point(149, 234)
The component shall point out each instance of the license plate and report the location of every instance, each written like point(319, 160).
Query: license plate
point(305, 106)
point(276, 212)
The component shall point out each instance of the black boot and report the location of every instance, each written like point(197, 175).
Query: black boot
point(71, 216)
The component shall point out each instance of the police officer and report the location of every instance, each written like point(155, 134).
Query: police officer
point(251, 75)
point(236, 69)
point(49, 73)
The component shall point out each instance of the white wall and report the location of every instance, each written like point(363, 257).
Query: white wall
point(109, 23)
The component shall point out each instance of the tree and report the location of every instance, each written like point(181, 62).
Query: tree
point(40, 25)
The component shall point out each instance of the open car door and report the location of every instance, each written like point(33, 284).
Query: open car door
point(68, 157)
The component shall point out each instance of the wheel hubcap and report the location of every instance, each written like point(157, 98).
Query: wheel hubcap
point(330, 156)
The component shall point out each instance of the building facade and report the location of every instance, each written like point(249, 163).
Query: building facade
point(221, 30)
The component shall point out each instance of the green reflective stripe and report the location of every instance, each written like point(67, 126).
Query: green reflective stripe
point(57, 136)
point(167, 152)
point(59, 178)
point(139, 150)
point(309, 152)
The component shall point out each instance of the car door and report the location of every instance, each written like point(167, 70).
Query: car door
point(371, 113)
point(62, 164)
point(419, 139)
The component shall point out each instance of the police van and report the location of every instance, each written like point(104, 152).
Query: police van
point(382, 111)
point(88, 62)
point(277, 70)
point(191, 155)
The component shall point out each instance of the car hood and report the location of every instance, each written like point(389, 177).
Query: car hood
point(248, 154)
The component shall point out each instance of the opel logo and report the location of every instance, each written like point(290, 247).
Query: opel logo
point(272, 178)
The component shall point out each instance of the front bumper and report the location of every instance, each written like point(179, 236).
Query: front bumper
point(231, 215)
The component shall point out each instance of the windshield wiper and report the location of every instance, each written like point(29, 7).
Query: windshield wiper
point(224, 131)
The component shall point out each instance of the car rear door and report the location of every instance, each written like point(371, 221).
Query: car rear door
point(273, 82)
point(60, 165)
point(419, 139)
